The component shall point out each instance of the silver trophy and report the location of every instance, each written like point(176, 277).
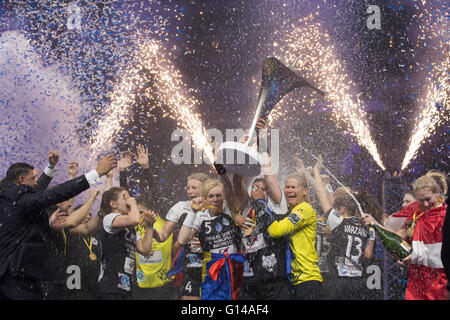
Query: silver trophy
point(277, 81)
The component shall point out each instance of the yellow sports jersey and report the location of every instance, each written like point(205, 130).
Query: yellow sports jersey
point(151, 271)
point(301, 226)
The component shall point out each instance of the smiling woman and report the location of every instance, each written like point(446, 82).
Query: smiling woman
point(300, 225)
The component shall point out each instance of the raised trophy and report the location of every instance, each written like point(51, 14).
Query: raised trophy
point(277, 81)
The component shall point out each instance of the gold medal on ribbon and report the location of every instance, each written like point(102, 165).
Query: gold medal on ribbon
point(92, 255)
point(196, 206)
point(248, 231)
point(410, 232)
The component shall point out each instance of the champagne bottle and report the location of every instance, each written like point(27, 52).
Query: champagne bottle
point(393, 243)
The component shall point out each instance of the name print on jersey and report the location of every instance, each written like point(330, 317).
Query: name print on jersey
point(360, 231)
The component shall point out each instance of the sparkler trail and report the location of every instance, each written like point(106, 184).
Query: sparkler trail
point(430, 117)
point(317, 55)
point(150, 64)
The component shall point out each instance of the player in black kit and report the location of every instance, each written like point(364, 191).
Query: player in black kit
point(351, 245)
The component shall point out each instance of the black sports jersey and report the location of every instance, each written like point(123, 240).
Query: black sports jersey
point(80, 271)
point(322, 246)
point(265, 257)
point(348, 242)
point(217, 234)
point(118, 260)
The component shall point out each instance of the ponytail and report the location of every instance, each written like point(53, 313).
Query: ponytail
point(108, 196)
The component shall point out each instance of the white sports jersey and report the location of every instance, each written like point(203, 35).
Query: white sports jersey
point(180, 208)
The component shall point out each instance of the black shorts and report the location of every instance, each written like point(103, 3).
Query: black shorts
point(308, 290)
point(192, 282)
point(165, 292)
point(277, 289)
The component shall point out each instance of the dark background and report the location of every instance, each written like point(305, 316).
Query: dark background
point(220, 47)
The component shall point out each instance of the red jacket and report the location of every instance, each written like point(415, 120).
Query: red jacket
point(426, 275)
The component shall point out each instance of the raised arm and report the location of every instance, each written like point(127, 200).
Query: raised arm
point(131, 219)
point(68, 189)
point(88, 228)
point(230, 195)
point(321, 191)
point(187, 232)
point(144, 245)
point(124, 163)
point(46, 177)
point(78, 216)
point(165, 232)
point(73, 171)
point(273, 187)
point(109, 180)
point(240, 189)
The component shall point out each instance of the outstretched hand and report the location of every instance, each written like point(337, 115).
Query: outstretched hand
point(125, 161)
point(142, 156)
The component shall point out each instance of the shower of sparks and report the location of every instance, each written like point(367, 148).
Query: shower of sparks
point(319, 63)
point(151, 69)
point(432, 31)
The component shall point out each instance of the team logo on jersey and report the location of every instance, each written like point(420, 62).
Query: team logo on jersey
point(124, 282)
point(295, 217)
point(269, 262)
point(225, 221)
point(218, 227)
point(140, 275)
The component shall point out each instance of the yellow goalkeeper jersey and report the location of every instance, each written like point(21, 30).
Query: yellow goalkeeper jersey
point(151, 271)
point(301, 225)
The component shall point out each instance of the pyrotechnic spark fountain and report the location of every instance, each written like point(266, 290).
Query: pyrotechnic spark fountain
point(309, 41)
point(437, 88)
point(151, 63)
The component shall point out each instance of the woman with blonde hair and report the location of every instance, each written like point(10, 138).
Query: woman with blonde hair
point(423, 230)
point(211, 220)
point(301, 226)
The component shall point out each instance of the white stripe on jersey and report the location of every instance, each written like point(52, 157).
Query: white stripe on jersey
point(428, 255)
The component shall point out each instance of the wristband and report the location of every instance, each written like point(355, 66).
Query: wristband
point(189, 220)
point(49, 171)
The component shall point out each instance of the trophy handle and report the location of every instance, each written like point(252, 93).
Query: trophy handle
point(262, 98)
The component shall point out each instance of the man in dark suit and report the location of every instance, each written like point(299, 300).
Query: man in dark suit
point(24, 225)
